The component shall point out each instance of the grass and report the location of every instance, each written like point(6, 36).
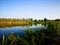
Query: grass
point(13, 22)
point(49, 36)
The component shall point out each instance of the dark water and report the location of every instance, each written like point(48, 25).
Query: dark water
point(18, 29)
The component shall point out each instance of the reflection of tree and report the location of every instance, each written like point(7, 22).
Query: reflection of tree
point(35, 22)
point(31, 20)
point(45, 21)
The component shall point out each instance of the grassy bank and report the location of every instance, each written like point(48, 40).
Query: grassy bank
point(14, 22)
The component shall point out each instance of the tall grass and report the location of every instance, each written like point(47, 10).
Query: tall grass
point(49, 36)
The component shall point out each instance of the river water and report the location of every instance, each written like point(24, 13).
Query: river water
point(19, 29)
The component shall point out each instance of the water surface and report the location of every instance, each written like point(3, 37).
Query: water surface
point(19, 29)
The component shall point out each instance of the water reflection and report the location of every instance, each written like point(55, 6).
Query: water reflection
point(19, 29)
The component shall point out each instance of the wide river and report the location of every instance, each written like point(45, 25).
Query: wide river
point(19, 29)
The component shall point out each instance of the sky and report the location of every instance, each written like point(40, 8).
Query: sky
point(36, 9)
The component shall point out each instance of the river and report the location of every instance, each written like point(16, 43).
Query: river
point(19, 29)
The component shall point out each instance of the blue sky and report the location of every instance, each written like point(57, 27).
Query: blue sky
point(36, 9)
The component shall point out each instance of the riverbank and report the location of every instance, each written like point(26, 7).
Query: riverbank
point(49, 36)
point(14, 22)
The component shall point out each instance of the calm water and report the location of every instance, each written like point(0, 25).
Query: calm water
point(18, 29)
